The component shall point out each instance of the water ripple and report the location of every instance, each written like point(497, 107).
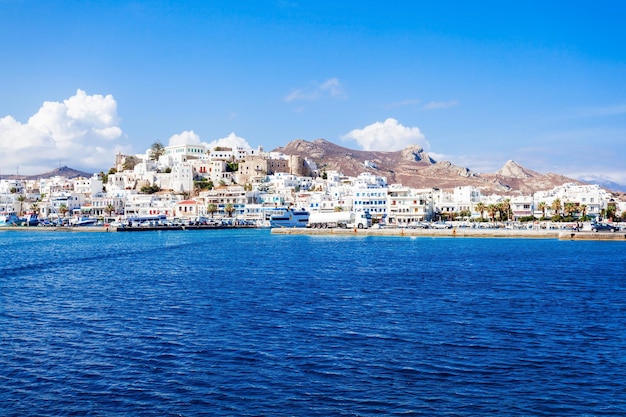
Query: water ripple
point(245, 323)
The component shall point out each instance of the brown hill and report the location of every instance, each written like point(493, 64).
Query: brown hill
point(413, 167)
point(61, 172)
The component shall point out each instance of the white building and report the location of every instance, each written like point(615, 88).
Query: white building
point(407, 205)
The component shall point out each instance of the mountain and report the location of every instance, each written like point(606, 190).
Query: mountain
point(413, 167)
point(61, 172)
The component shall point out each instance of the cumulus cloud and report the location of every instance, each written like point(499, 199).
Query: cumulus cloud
point(230, 141)
point(387, 136)
point(188, 137)
point(330, 88)
point(80, 132)
point(436, 105)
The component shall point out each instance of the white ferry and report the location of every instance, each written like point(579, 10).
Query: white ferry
point(289, 217)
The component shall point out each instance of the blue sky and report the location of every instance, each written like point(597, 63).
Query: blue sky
point(475, 83)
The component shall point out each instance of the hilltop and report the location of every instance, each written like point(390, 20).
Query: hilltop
point(60, 172)
point(414, 167)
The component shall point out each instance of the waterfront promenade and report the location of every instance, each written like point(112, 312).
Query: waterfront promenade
point(400, 232)
point(461, 232)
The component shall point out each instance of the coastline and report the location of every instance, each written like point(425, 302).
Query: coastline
point(460, 233)
point(399, 232)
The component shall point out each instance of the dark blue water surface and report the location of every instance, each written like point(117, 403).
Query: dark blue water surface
point(242, 322)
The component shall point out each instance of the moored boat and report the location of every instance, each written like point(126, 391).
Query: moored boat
point(289, 217)
point(10, 219)
point(84, 221)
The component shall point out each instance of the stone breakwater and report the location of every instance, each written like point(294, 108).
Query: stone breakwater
point(460, 233)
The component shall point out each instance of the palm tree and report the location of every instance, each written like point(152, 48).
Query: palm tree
point(583, 211)
point(211, 208)
point(21, 198)
point(34, 208)
point(505, 209)
point(569, 208)
point(109, 209)
point(556, 207)
point(63, 210)
point(543, 206)
point(611, 209)
point(480, 207)
point(492, 209)
point(229, 209)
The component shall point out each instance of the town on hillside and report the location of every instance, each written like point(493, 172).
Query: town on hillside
point(191, 182)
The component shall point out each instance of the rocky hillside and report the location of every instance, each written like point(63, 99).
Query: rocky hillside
point(413, 167)
point(61, 172)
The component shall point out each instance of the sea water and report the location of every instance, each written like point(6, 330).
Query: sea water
point(246, 323)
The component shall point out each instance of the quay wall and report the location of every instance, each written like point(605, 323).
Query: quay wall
point(456, 232)
point(460, 233)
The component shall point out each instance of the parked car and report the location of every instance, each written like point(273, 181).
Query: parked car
point(418, 225)
point(441, 225)
point(602, 227)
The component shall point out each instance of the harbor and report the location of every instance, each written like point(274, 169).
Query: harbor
point(459, 233)
point(399, 232)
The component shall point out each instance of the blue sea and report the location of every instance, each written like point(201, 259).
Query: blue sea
point(246, 323)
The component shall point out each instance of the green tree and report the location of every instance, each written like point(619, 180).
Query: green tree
point(149, 189)
point(211, 209)
point(492, 209)
point(63, 210)
point(229, 209)
point(543, 207)
point(569, 208)
point(480, 207)
point(156, 150)
point(504, 208)
point(611, 210)
point(21, 198)
point(129, 163)
point(109, 209)
point(465, 214)
point(556, 207)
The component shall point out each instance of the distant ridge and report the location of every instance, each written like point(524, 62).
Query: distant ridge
point(60, 172)
point(413, 167)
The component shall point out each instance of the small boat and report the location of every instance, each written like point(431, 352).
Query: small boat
point(10, 219)
point(84, 221)
point(289, 217)
point(31, 219)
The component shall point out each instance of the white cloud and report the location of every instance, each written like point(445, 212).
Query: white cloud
point(80, 132)
point(436, 105)
point(230, 141)
point(188, 137)
point(387, 136)
point(330, 88)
